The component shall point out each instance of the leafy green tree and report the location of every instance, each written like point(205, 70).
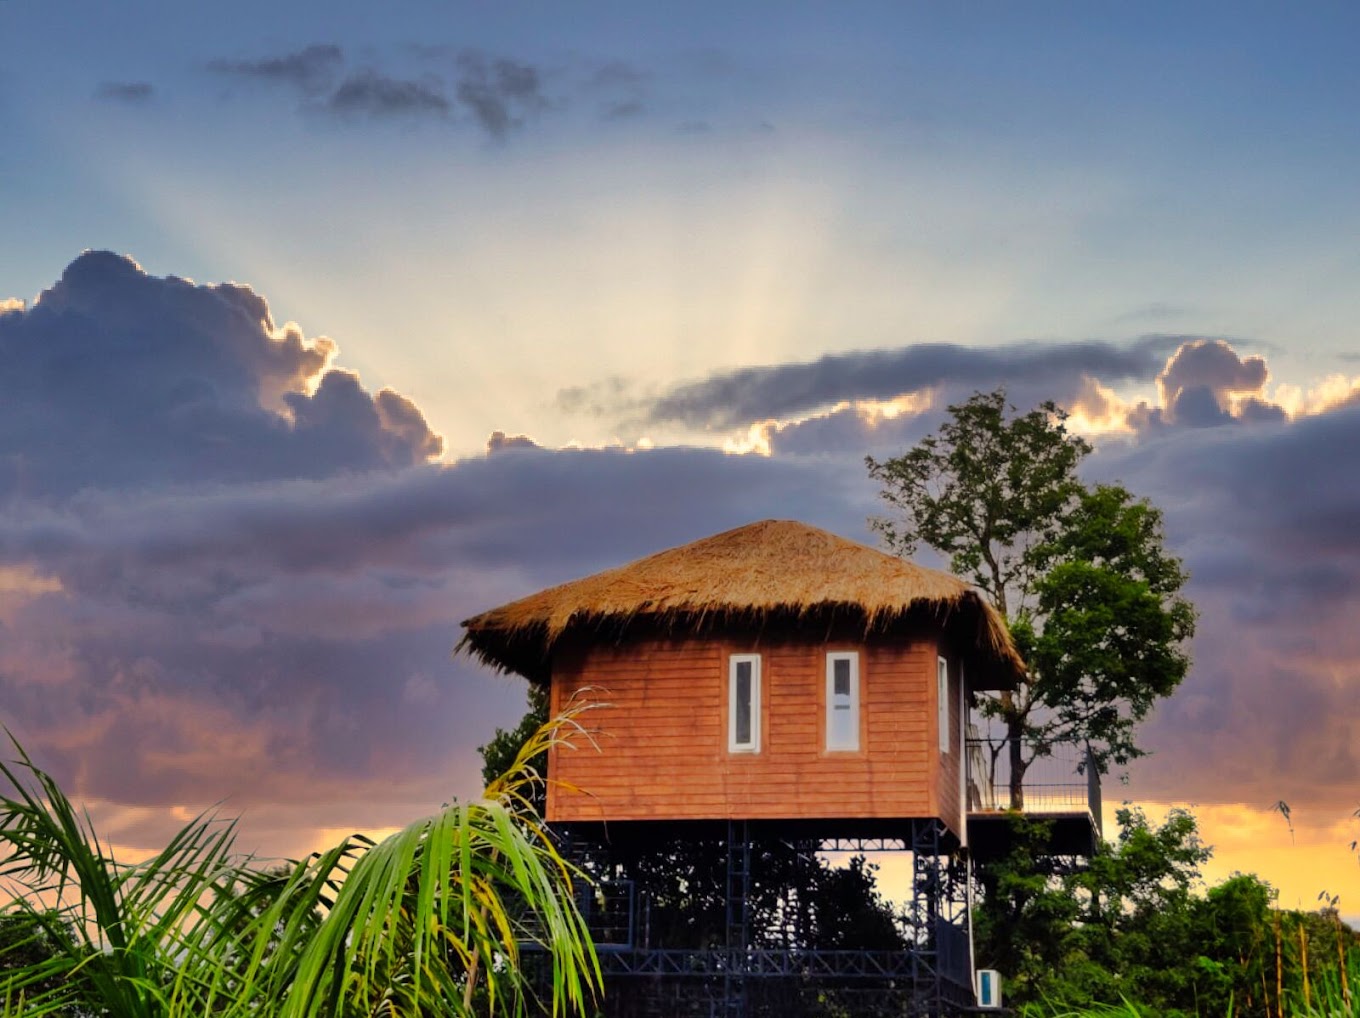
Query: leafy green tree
point(1127, 924)
point(498, 755)
point(850, 912)
point(32, 965)
point(1081, 574)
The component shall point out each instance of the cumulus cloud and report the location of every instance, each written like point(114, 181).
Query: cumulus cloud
point(1206, 376)
point(116, 378)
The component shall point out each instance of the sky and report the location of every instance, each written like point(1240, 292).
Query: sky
point(324, 327)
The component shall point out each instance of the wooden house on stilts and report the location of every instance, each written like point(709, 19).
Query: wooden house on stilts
point(774, 685)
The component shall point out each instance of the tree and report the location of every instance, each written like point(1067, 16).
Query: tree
point(499, 755)
point(1080, 573)
point(1125, 925)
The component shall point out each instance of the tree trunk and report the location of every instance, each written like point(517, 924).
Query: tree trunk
point(1014, 730)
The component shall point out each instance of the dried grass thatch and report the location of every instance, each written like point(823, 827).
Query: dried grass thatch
point(762, 574)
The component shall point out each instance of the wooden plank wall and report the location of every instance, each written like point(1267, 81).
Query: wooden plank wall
point(663, 739)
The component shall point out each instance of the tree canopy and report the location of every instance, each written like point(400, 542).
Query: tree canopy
point(1080, 571)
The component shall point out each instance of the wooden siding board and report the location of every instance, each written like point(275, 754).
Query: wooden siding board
point(663, 741)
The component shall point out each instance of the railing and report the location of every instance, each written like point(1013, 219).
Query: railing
point(1064, 781)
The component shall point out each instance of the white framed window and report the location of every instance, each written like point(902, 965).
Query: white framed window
point(743, 703)
point(842, 700)
point(942, 701)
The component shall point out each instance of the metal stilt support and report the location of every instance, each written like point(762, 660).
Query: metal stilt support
point(738, 919)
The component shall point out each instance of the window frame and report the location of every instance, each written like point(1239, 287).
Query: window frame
point(831, 658)
point(942, 701)
point(733, 661)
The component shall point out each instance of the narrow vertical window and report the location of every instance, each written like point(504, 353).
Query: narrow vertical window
point(743, 703)
point(842, 701)
point(942, 701)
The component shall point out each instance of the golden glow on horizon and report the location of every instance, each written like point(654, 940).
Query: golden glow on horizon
point(1253, 839)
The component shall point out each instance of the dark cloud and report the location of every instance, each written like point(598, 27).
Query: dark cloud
point(114, 378)
point(311, 70)
point(500, 441)
point(499, 93)
point(133, 92)
point(1206, 384)
point(735, 398)
point(1265, 518)
point(282, 641)
point(368, 93)
point(1203, 377)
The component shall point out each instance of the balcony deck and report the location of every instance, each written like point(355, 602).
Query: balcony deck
point(1062, 789)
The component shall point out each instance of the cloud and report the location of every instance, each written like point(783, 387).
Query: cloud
point(744, 396)
point(500, 441)
point(371, 94)
point(310, 70)
point(115, 378)
point(289, 641)
point(133, 92)
point(1203, 378)
point(1265, 522)
point(499, 93)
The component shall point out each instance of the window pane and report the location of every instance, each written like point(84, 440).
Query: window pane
point(743, 704)
point(841, 679)
point(842, 696)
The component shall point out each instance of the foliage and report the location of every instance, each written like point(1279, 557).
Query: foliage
point(499, 755)
point(431, 921)
point(1133, 926)
point(1080, 572)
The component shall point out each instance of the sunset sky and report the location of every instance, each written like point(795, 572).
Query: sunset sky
point(575, 284)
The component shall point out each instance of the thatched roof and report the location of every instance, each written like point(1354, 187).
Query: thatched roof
point(772, 572)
